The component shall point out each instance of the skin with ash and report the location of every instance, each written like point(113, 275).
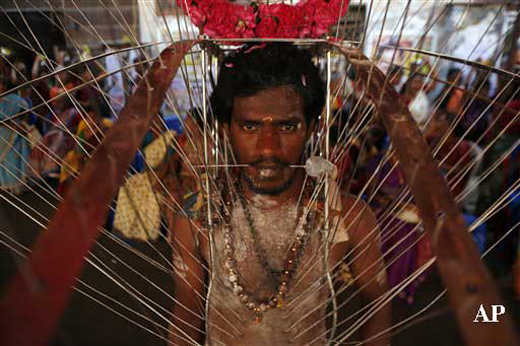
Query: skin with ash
point(260, 295)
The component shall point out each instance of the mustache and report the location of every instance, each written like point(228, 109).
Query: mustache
point(269, 162)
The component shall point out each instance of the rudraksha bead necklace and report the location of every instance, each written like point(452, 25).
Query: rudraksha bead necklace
point(284, 278)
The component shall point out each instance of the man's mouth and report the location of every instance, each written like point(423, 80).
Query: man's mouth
point(262, 175)
point(267, 172)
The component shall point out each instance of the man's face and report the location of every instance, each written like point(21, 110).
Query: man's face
point(268, 131)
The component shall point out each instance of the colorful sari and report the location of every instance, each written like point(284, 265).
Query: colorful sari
point(399, 232)
point(46, 157)
point(405, 246)
point(88, 133)
point(14, 148)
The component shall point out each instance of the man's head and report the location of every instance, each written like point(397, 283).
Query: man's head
point(482, 86)
point(414, 84)
point(395, 73)
point(268, 99)
point(439, 126)
point(453, 76)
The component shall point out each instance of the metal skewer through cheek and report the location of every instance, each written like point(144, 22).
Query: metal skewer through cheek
point(237, 165)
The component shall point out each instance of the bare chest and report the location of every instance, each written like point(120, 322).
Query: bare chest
point(276, 232)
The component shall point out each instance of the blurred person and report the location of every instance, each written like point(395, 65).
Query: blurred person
point(400, 233)
point(64, 77)
point(415, 98)
point(141, 64)
point(114, 85)
point(14, 146)
point(503, 133)
point(356, 153)
point(460, 160)
point(422, 66)
point(451, 97)
point(454, 152)
point(478, 110)
point(47, 156)
point(90, 94)
point(404, 243)
point(41, 92)
point(90, 131)
point(508, 119)
point(18, 74)
point(395, 76)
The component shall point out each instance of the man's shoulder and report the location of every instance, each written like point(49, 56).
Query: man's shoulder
point(358, 212)
point(353, 204)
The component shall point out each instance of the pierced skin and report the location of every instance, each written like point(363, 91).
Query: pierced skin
point(269, 131)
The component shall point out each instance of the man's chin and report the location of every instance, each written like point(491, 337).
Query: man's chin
point(267, 187)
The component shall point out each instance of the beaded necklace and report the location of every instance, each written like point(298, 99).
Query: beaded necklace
point(281, 279)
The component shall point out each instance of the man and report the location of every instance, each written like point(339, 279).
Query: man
point(450, 98)
point(267, 282)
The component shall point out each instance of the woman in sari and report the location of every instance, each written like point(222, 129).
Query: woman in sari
point(46, 158)
point(400, 232)
point(414, 95)
point(14, 147)
point(405, 246)
point(90, 131)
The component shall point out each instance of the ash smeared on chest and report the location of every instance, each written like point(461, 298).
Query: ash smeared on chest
point(276, 229)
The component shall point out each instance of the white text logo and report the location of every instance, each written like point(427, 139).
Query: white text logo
point(482, 316)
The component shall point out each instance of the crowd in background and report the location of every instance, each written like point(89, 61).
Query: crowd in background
point(474, 134)
point(51, 126)
point(53, 123)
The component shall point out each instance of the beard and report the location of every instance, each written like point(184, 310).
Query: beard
point(255, 187)
point(270, 176)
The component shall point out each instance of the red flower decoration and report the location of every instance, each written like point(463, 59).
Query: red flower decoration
point(221, 19)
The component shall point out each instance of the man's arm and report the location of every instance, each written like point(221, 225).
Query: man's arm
point(189, 277)
point(368, 267)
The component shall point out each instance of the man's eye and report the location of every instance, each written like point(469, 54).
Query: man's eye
point(287, 127)
point(249, 127)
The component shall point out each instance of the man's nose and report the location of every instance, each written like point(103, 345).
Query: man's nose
point(268, 142)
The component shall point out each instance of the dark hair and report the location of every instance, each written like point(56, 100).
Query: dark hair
point(453, 73)
point(409, 81)
point(394, 69)
point(254, 68)
point(481, 83)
